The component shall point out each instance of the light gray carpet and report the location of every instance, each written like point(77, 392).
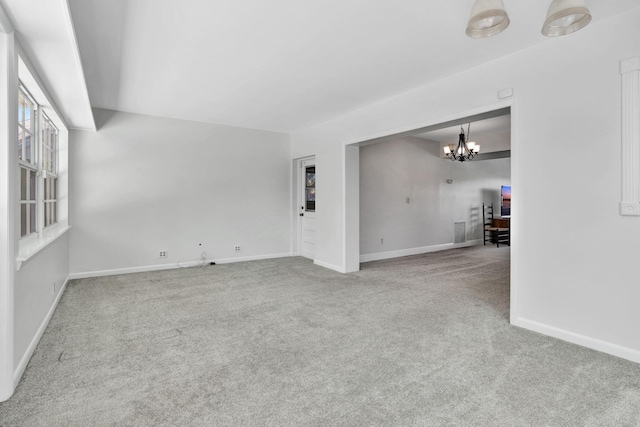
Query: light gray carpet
point(421, 340)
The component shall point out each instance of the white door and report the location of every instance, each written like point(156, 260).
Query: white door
point(307, 207)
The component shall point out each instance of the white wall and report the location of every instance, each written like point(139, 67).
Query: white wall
point(142, 184)
point(574, 256)
point(392, 171)
point(27, 297)
point(8, 199)
point(35, 297)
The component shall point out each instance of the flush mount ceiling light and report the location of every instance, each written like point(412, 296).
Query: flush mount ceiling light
point(565, 17)
point(466, 150)
point(488, 18)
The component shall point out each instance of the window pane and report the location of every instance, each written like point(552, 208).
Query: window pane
point(54, 189)
point(54, 212)
point(54, 150)
point(311, 195)
point(20, 142)
point(28, 111)
point(27, 147)
point(310, 176)
point(20, 106)
point(32, 216)
point(47, 208)
point(32, 185)
point(50, 188)
point(47, 189)
point(310, 199)
point(23, 220)
point(23, 184)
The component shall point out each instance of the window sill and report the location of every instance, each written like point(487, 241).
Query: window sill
point(31, 247)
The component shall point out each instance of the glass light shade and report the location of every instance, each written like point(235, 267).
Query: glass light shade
point(565, 17)
point(447, 150)
point(470, 145)
point(488, 18)
point(476, 149)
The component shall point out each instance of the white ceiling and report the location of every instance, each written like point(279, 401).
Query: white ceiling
point(280, 64)
point(46, 34)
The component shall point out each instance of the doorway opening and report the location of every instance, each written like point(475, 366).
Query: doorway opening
point(406, 176)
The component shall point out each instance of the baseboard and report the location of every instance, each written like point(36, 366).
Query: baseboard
point(582, 340)
point(337, 268)
point(19, 371)
point(417, 251)
point(252, 258)
point(172, 266)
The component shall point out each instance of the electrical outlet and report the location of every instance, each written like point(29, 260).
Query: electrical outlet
point(382, 241)
point(163, 254)
point(237, 248)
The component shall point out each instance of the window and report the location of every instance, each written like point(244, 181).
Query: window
point(37, 157)
point(27, 161)
point(49, 165)
point(26, 126)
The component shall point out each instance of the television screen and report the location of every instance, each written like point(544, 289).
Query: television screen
point(505, 194)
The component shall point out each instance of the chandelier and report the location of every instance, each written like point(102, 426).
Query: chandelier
point(466, 150)
point(488, 18)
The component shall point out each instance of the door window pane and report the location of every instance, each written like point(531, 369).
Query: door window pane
point(310, 190)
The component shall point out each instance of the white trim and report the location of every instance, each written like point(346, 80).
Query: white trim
point(337, 268)
point(9, 194)
point(172, 266)
point(78, 58)
point(345, 209)
point(417, 251)
point(6, 26)
point(252, 258)
point(514, 220)
point(37, 89)
point(630, 71)
point(582, 340)
point(432, 122)
point(29, 247)
point(19, 371)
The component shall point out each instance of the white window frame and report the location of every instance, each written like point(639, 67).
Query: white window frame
point(44, 146)
point(50, 144)
point(29, 166)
